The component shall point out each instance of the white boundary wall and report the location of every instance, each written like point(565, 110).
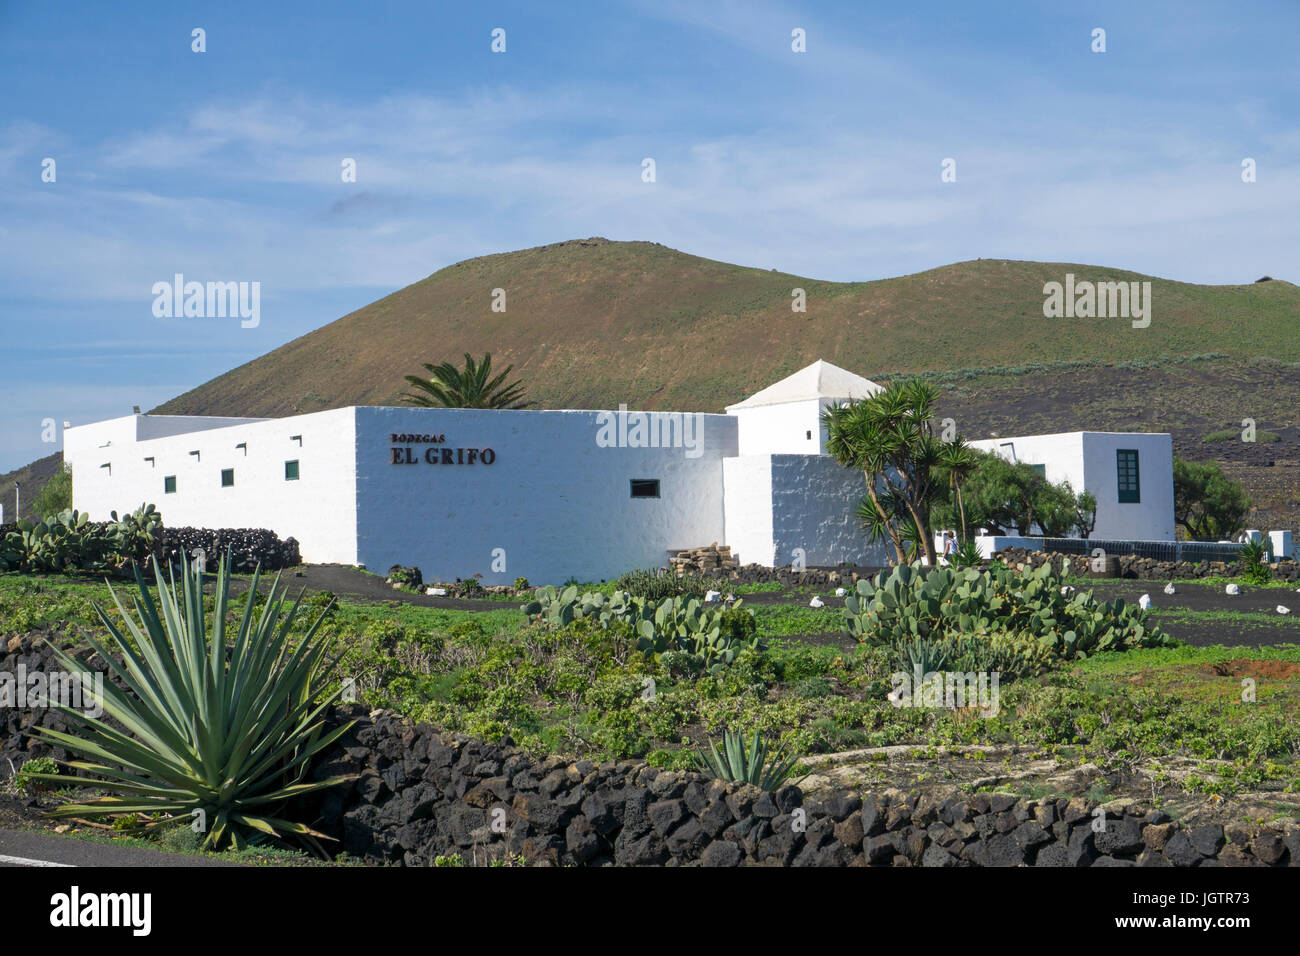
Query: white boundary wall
point(319, 509)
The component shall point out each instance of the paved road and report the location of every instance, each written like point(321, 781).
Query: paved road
point(26, 848)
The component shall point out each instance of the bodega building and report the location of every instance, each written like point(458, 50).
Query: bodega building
point(545, 495)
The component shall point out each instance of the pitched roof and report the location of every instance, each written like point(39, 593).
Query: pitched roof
point(820, 380)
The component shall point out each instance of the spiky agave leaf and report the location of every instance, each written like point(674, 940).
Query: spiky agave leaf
point(745, 761)
point(227, 728)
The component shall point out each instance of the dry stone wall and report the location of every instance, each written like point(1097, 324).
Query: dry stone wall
point(421, 793)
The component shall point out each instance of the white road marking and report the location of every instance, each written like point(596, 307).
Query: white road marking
point(23, 861)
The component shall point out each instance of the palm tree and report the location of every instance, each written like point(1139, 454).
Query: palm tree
point(450, 387)
point(855, 441)
point(957, 460)
point(890, 439)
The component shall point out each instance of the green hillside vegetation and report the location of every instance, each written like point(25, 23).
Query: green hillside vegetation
point(592, 323)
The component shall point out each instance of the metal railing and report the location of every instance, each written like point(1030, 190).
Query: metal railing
point(1194, 551)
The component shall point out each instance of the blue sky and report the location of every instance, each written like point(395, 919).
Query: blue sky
point(225, 165)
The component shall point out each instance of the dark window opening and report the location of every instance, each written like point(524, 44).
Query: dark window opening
point(1126, 467)
point(169, 485)
point(227, 478)
point(1040, 470)
point(809, 435)
point(290, 471)
point(645, 487)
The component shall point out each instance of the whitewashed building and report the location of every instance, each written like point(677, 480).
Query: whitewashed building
point(504, 494)
point(1130, 474)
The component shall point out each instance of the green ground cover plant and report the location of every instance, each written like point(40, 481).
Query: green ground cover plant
point(579, 689)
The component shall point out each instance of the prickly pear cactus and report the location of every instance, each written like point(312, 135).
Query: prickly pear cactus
point(908, 603)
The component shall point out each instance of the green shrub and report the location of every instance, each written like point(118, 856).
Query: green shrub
point(1011, 656)
point(180, 840)
point(656, 584)
point(321, 600)
point(968, 555)
point(1234, 434)
point(468, 632)
point(405, 577)
point(135, 537)
point(679, 624)
point(55, 495)
point(812, 688)
point(384, 635)
point(521, 584)
point(68, 541)
point(738, 624)
point(26, 780)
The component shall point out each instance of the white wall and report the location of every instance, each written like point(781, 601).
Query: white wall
point(747, 481)
point(1151, 518)
point(554, 500)
point(813, 504)
point(319, 509)
point(778, 503)
point(781, 429)
point(132, 428)
point(990, 545)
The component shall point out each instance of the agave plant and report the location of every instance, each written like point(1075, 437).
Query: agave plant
point(967, 555)
point(1254, 570)
point(747, 762)
point(917, 654)
point(219, 733)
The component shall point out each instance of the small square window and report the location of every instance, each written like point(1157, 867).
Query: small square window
point(290, 471)
point(169, 485)
point(645, 487)
point(1040, 470)
point(227, 478)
